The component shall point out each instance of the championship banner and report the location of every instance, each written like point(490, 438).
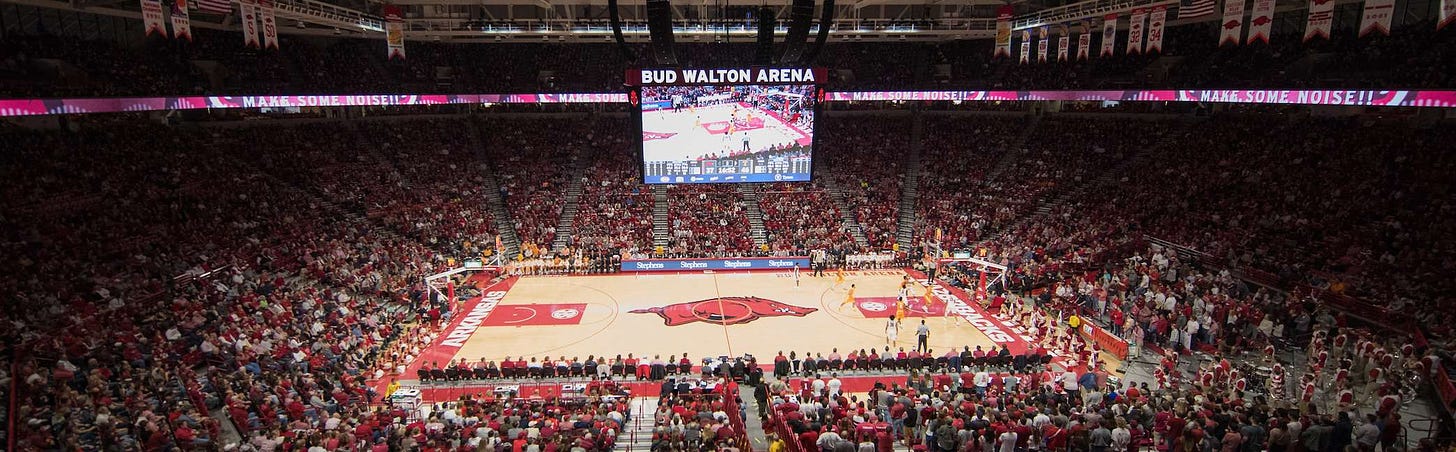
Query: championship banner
point(1084, 44)
point(1025, 46)
point(1109, 34)
point(1262, 21)
point(1321, 16)
point(152, 17)
point(1448, 14)
point(1135, 31)
point(1377, 17)
point(181, 23)
point(270, 27)
point(1003, 30)
point(1233, 22)
point(1156, 21)
point(250, 22)
point(1041, 45)
point(394, 31)
point(1063, 43)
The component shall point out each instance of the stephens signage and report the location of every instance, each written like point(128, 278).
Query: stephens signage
point(751, 263)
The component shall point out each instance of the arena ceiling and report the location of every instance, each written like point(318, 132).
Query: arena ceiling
point(587, 20)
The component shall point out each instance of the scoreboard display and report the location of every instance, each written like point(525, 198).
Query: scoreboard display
point(727, 125)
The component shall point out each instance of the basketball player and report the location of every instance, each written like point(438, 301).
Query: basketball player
point(839, 276)
point(796, 275)
point(848, 297)
point(892, 332)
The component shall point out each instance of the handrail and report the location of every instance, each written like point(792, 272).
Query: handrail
point(735, 416)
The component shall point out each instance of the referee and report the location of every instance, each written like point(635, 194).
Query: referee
point(922, 337)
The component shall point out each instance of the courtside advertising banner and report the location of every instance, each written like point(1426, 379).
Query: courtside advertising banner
point(749, 263)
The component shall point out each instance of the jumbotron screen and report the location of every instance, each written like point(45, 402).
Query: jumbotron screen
point(726, 126)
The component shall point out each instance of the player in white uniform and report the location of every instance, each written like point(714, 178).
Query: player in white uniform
point(892, 332)
point(796, 275)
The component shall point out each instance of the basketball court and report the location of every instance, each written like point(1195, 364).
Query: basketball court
point(707, 314)
point(691, 133)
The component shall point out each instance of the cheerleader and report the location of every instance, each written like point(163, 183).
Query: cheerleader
point(1306, 394)
point(1276, 383)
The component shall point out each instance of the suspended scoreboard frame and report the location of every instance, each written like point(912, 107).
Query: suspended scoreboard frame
point(638, 78)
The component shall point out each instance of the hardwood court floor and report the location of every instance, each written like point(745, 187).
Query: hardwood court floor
point(706, 315)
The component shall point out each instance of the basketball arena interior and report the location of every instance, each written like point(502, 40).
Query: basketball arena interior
point(728, 225)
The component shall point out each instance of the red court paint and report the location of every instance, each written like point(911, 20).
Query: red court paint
point(972, 312)
point(470, 309)
point(536, 314)
point(883, 307)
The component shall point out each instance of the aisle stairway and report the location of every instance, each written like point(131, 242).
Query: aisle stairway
point(637, 434)
point(660, 237)
point(571, 202)
point(846, 216)
point(909, 190)
point(504, 222)
point(755, 216)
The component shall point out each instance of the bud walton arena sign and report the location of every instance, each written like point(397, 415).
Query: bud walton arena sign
point(742, 76)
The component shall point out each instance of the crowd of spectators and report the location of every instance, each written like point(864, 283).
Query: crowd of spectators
point(863, 156)
point(800, 217)
point(532, 163)
point(708, 220)
point(954, 196)
point(296, 275)
point(615, 209)
point(300, 250)
point(961, 198)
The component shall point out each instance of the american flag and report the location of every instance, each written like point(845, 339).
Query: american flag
point(1186, 9)
point(215, 6)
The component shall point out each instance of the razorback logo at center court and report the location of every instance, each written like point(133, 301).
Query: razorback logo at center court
point(724, 311)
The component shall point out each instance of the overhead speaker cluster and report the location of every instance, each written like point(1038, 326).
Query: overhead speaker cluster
point(801, 16)
point(659, 25)
point(763, 54)
point(615, 16)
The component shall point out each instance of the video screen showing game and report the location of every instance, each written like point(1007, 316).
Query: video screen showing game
point(706, 134)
